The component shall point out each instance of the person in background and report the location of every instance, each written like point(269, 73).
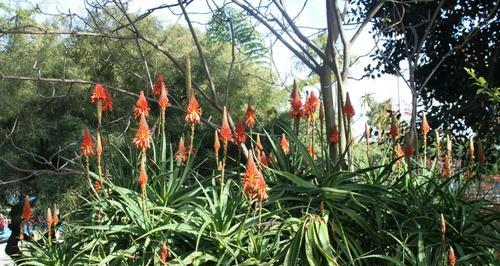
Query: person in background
point(3, 224)
point(12, 248)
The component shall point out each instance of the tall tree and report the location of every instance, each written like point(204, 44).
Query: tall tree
point(437, 40)
point(324, 62)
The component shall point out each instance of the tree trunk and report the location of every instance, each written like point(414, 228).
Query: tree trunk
point(325, 79)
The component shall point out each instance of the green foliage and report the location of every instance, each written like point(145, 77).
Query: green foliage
point(228, 26)
point(492, 93)
point(315, 215)
point(47, 119)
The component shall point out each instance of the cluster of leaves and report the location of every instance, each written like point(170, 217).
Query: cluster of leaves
point(316, 215)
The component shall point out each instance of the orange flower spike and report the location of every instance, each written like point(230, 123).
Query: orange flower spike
point(141, 106)
point(447, 171)
point(261, 189)
point(452, 259)
point(99, 94)
point(97, 186)
point(193, 112)
point(143, 179)
point(284, 144)
point(334, 137)
point(159, 86)
point(239, 133)
point(98, 97)
point(394, 131)
point(164, 254)
point(252, 183)
point(296, 111)
point(163, 101)
point(48, 218)
point(348, 108)
point(263, 160)
point(312, 104)
point(142, 138)
point(27, 214)
point(258, 146)
point(398, 153)
point(87, 147)
point(425, 125)
point(107, 104)
point(182, 152)
point(311, 151)
point(98, 149)
point(250, 117)
point(443, 226)
point(408, 147)
point(55, 218)
point(225, 130)
point(216, 144)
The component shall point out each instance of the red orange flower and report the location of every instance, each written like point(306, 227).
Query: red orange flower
point(263, 160)
point(311, 105)
point(254, 185)
point(394, 131)
point(225, 130)
point(141, 106)
point(398, 152)
point(311, 151)
point(142, 138)
point(452, 259)
point(87, 147)
point(334, 137)
point(182, 152)
point(99, 94)
point(159, 86)
point(250, 117)
point(408, 147)
point(239, 135)
point(193, 112)
point(258, 145)
point(143, 178)
point(55, 217)
point(443, 225)
point(48, 218)
point(107, 104)
point(163, 101)
point(97, 185)
point(425, 125)
point(164, 253)
point(284, 144)
point(27, 214)
point(98, 149)
point(296, 111)
point(216, 145)
point(348, 108)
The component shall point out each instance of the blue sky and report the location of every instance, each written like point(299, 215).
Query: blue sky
point(384, 87)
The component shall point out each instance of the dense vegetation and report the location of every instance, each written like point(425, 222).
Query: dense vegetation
point(150, 165)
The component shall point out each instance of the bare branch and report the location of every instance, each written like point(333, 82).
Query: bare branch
point(259, 17)
point(367, 20)
point(200, 52)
